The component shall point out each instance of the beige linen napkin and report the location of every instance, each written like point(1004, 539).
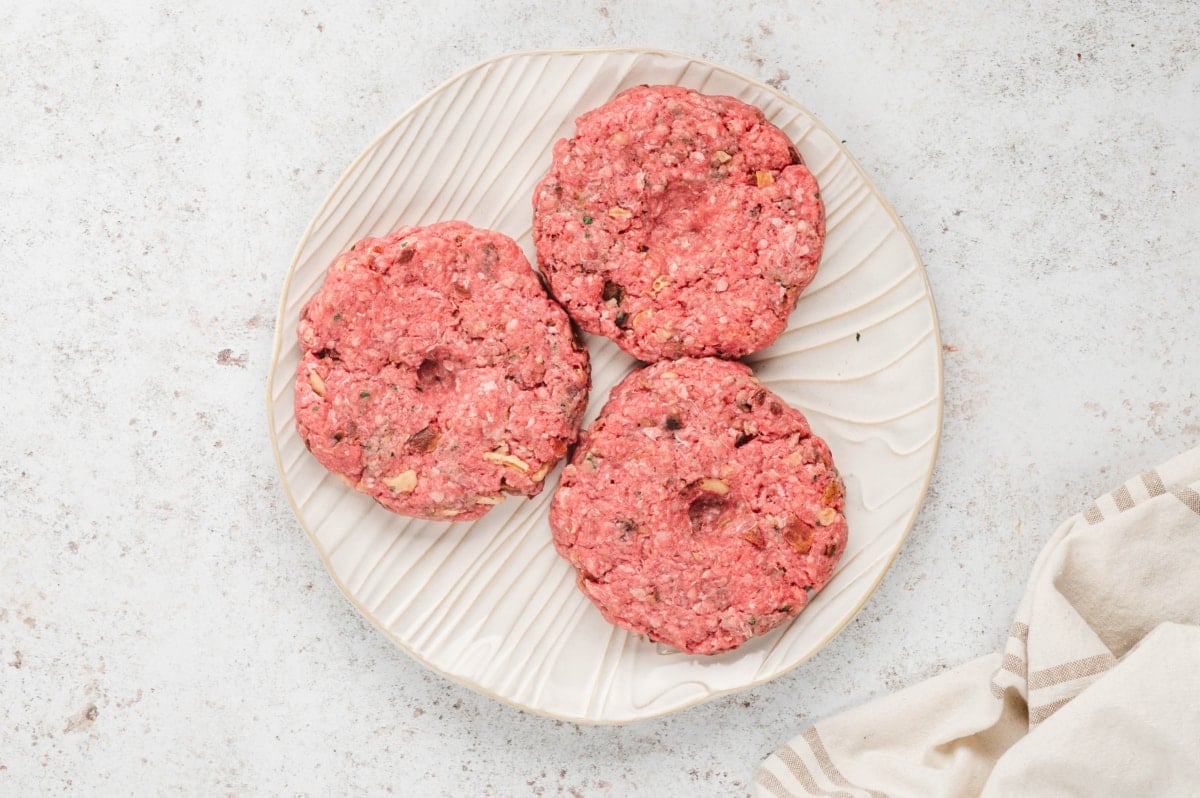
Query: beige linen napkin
point(1097, 691)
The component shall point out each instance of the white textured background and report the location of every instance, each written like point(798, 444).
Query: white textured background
point(165, 626)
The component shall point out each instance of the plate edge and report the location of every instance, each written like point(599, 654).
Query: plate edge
point(278, 345)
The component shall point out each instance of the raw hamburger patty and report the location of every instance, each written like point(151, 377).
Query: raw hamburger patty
point(699, 509)
point(678, 224)
point(437, 374)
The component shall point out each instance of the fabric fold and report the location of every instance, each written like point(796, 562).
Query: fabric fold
point(1096, 691)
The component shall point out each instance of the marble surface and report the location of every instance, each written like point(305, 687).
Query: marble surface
point(165, 626)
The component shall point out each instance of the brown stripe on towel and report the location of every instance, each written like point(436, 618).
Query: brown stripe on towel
point(772, 783)
point(1014, 665)
point(1020, 631)
point(1153, 483)
point(1092, 515)
point(1067, 671)
point(1189, 497)
point(803, 775)
point(1122, 498)
point(1039, 714)
point(826, 764)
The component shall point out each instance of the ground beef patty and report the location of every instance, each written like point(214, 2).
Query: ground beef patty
point(437, 374)
point(699, 509)
point(678, 224)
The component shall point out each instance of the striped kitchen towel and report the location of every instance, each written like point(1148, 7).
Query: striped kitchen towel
point(1097, 691)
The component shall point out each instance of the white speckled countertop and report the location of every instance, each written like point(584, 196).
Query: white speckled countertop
point(166, 627)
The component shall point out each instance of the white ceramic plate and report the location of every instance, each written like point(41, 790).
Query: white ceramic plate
point(490, 604)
